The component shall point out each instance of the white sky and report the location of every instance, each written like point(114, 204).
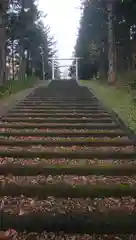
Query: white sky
point(63, 18)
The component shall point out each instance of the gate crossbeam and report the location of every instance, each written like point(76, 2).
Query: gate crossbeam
point(53, 65)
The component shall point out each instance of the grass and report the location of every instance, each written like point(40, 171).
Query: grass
point(14, 86)
point(119, 99)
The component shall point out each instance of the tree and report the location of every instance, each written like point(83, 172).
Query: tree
point(22, 37)
point(3, 10)
point(92, 41)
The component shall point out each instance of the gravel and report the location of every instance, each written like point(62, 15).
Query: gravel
point(118, 138)
point(43, 118)
point(63, 236)
point(30, 123)
point(23, 205)
point(72, 180)
point(57, 124)
point(60, 161)
point(44, 148)
point(44, 114)
point(58, 130)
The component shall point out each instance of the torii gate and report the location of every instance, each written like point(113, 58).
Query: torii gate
point(64, 59)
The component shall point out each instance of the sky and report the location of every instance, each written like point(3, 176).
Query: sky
point(63, 18)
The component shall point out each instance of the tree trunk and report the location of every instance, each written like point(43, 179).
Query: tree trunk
point(21, 64)
point(22, 57)
point(28, 64)
point(2, 49)
point(13, 60)
point(111, 40)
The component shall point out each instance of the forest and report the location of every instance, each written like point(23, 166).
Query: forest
point(93, 41)
point(26, 43)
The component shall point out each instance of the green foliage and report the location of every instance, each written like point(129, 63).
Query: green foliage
point(119, 99)
point(15, 86)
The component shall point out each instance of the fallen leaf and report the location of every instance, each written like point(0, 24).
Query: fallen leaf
point(21, 212)
point(4, 235)
point(2, 204)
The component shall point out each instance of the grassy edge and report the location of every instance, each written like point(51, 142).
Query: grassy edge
point(12, 87)
point(15, 86)
point(119, 99)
